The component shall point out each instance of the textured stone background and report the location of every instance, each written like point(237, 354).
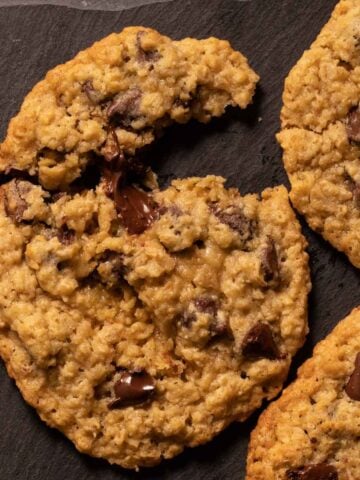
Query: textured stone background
point(84, 4)
point(240, 146)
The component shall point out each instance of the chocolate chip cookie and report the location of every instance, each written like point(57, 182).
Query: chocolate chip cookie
point(321, 131)
point(117, 96)
point(141, 328)
point(139, 321)
point(312, 431)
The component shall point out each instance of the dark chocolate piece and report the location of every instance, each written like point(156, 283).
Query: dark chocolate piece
point(125, 105)
point(353, 186)
point(14, 203)
point(132, 388)
point(235, 219)
point(207, 304)
point(269, 262)
point(352, 388)
point(136, 208)
point(353, 124)
point(115, 262)
point(321, 471)
point(146, 56)
point(259, 343)
point(66, 235)
point(93, 95)
point(111, 150)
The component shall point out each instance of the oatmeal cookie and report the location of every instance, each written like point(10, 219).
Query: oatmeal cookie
point(312, 431)
point(321, 131)
point(143, 325)
point(115, 97)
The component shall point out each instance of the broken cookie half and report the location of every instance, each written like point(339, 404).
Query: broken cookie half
point(116, 97)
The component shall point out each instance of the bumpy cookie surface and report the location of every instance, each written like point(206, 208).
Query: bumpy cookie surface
point(313, 430)
point(321, 131)
point(137, 345)
point(118, 95)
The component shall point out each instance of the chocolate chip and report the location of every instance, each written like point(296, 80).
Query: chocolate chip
point(186, 319)
point(136, 208)
point(125, 106)
point(320, 471)
point(66, 235)
point(145, 56)
point(345, 64)
point(353, 186)
point(172, 209)
point(352, 124)
point(207, 304)
point(219, 327)
point(352, 388)
point(234, 217)
point(14, 202)
point(111, 264)
point(259, 343)
point(111, 150)
point(269, 262)
point(93, 95)
point(132, 388)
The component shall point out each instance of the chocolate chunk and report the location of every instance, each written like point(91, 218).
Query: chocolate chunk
point(218, 327)
point(125, 106)
point(235, 219)
point(93, 95)
point(136, 208)
point(172, 209)
point(259, 343)
point(66, 235)
point(353, 124)
point(352, 388)
point(269, 262)
point(111, 150)
point(14, 201)
point(321, 471)
point(353, 186)
point(345, 64)
point(186, 319)
point(111, 265)
point(145, 56)
point(207, 304)
point(132, 388)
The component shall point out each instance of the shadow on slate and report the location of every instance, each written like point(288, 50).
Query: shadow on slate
point(240, 146)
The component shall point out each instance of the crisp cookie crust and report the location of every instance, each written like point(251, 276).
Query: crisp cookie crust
point(312, 431)
point(73, 332)
point(123, 90)
point(319, 131)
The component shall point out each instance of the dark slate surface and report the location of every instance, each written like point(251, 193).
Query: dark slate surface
point(273, 35)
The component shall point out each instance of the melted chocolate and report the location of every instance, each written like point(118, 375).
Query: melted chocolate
point(234, 218)
point(136, 208)
point(132, 388)
point(259, 343)
point(269, 262)
point(353, 125)
point(321, 471)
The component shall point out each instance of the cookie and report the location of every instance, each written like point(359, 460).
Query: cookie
point(321, 131)
point(312, 431)
point(114, 98)
point(136, 345)
point(214, 263)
